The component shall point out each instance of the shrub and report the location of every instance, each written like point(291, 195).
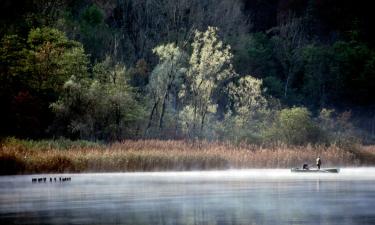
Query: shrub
point(294, 126)
point(338, 129)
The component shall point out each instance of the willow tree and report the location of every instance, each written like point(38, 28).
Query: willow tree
point(210, 64)
point(248, 113)
point(247, 97)
point(165, 81)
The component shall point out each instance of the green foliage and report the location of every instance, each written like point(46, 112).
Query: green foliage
point(256, 56)
point(247, 96)
point(11, 56)
point(164, 84)
point(86, 24)
point(356, 68)
point(168, 73)
point(52, 59)
point(93, 15)
point(249, 112)
point(73, 62)
point(322, 82)
point(273, 86)
point(210, 64)
point(108, 71)
point(39, 37)
point(189, 88)
point(33, 73)
point(101, 108)
point(294, 126)
point(238, 129)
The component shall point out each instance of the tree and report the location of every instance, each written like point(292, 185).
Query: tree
point(145, 24)
point(33, 73)
point(256, 56)
point(319, 76)
point(99, 108)
point(210, 64)
point(85, 22)
point(165, 81)
point(337, 128)
point(247, 97)
point(248, 111)
point(52, 59)
point(356, 67)
point(287, 50)
point(139, 76)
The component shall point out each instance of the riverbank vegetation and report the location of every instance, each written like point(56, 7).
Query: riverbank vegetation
point(255, 73)
point(24, 157)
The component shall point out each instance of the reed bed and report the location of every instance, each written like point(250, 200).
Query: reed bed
point(20, 157)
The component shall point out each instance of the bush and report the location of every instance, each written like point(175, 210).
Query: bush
point(338, 128)
point(294, 126)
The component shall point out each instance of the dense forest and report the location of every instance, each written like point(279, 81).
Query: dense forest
point(255, 71)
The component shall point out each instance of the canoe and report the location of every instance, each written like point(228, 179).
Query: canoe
point(328, 170)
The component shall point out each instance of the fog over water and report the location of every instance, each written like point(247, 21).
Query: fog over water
point(253, 196)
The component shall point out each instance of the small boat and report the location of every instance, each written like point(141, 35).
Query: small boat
point(328, 170)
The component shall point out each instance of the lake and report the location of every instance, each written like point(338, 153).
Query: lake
point(254, 196)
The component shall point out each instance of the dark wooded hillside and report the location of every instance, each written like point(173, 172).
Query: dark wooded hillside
point(260, 71)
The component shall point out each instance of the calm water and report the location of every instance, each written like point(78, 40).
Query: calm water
point(215, 197)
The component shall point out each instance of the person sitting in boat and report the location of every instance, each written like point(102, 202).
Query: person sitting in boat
point(305, 166)
point(318, 162)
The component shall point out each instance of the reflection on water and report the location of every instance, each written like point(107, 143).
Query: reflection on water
point(216, 197)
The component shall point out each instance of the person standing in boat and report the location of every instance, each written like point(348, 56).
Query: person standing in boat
point(318, 162)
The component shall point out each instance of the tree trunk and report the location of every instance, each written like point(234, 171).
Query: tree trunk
point(161, 120)
point(152, 115)
point(203, 118)
point(286, 86)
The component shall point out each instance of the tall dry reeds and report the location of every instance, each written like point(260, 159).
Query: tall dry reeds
point(157, 155)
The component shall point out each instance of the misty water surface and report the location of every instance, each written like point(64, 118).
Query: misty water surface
point(214, 197)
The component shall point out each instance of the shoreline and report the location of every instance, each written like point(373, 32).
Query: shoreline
point(164, 156)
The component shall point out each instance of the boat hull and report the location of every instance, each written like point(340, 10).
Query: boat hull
point(329, 170)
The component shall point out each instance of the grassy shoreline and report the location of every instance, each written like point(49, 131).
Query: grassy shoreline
point(29, 157)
